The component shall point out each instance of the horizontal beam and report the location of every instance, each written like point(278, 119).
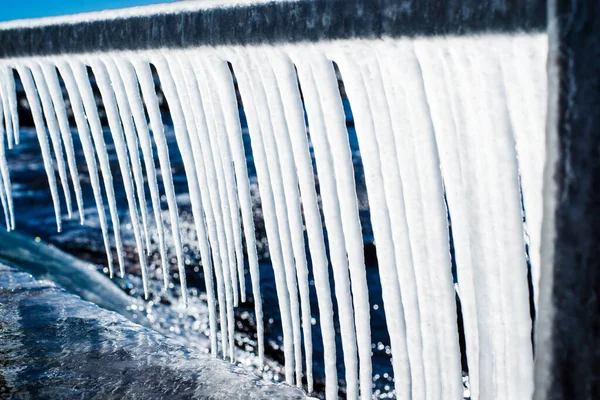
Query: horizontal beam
point(272, 22)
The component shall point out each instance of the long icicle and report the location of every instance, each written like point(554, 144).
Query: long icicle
point(131, 141)
point(83, 131)
point(333, 217)
point(376, 181)
point(507, 216)
point(442, 99)
point(49, 72)
point(436, 251)
point(187, 88)
point(206, 115)
point(82, 83)
point(272, 158)
point(110, 105)
point(183, 141)
point(129, 79)
point(40, 128)
point(213, 120)
point(225, 86)
point(292, 199)
point(385, 132)
point(294, 115)
point(53, 129)
point(9, 81)
point(228, 169)
point(7, 198)
point(3, 166)
point(268, 207)
point(6, 111)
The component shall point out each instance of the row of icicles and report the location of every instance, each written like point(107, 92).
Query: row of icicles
point(434, 118)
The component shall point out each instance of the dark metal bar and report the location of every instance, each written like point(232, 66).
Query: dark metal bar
point(568, 365)
point(278, 22)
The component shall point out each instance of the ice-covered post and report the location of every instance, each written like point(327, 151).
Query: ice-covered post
point(568, 330)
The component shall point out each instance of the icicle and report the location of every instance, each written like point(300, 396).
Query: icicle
point(82, 83)
point(6, 112)
point(88, 151)
point(292, 197)
point(331, 209)
point(228, 170)
point(187, 90)
point(9, 81)
point(40, 128)
point(110, 105)
point(380, 133)
point(245, 84)
point(507, 219)
point(505, 362)
point(223, 80)
point(441, 97)
point(183, 141)
point(292, 104)
point(49, 73)
point(378, 178)
point(53, 129)
point(213, 130)
point(274, 168)
point(6, 192)
point(3, 166)
point(131, 142)
point(525, 80)
point(3, 196)
point(427, 223)
point(129, 80)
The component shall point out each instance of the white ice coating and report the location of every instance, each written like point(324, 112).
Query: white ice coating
point(6, 111)
point(40, 129)
point(146, 82)
point(227, 161)
point(9, 81)
point(373, 126)
point(292, 104)
point(245, 84)
point(331, 211)
point(5, 187)
point(187, 88)
point(131, 140)
point(83, 131)
point(292, 198)
point(130, 85)
point(82, 82)
point(210, 195)
point(443, 121)
point(271, 153)
point(3, 167)
point(224, 82)
point(53, 129)
point(112, 114)
point(58, 102)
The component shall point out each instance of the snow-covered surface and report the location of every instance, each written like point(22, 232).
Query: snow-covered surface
point(449, 129)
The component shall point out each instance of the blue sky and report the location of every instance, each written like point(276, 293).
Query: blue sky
point(19, 9)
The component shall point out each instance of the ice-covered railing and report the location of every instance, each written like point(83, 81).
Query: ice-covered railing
point(449, 127)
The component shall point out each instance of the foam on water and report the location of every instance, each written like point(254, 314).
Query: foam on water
point(450, 130)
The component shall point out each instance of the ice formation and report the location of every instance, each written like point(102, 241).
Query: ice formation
point(450, 130)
